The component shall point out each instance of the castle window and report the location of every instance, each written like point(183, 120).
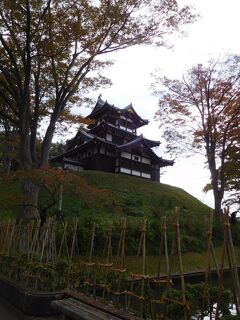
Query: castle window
point(126, 155)
point(125, 170)
point(136, 173)
point(136, 158)
point(146, 160)
point(146, 175)
point(102, 150)
point(109, 137)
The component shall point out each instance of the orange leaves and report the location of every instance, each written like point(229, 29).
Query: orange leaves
point(51, 180)
point(201, 114)
point(67, 116)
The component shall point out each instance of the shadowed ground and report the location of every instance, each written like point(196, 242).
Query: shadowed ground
point(8, 312)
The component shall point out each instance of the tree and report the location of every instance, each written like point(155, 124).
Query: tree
point(201, 113)
point(232, 175)
point(9, 147)
point(53, 182)
point(52, 50)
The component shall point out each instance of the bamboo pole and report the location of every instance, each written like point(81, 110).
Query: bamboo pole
point(11, 239)
point(120, 268)
point(163, 247)
point(232, 258)
point(33, 245)
point(92, 243)
point(63, 240)
point(184, 301)
point(105, 263)
point(121, 259)
point(142, 251)
point(60, 198)
point(144, 265)
point(45, 240)
point(90, 265)
point(208, 267)
point(73, 241)
point(6, 236)
point(222, 259)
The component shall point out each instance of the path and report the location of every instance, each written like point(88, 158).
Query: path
point(8, 312)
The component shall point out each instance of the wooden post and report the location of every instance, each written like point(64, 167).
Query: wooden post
point(232, 261)
point(163, 247)
point(144, 264)
point(60, 198)
point(120, 268)
point(208, 267)
point(90, 265)
point(63, 240)
point(220, 285)
point(180, 263)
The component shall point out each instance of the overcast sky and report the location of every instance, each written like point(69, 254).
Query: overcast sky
point(213, 35)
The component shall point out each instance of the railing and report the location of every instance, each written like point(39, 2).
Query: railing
point(52, 258)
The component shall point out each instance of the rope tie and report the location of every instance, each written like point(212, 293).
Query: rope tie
point(107, 265)
point(130, 293)
point(118, 293)
point(89, 264)
point(143, 276)
point(119, 270)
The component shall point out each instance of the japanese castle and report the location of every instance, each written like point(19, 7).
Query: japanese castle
point(111, 144)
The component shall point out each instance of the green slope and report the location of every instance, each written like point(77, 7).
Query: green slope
point(137, 199)
point(114, 196)
point(140, 197)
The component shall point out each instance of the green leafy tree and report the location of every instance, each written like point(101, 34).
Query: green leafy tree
point(54, 183)
point(201, 113)
point(232, 174)
point(9, 147)
point(50, 51)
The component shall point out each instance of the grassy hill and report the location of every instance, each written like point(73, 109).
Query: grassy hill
point(140, 197)
point(137, 199)
point(106, 197)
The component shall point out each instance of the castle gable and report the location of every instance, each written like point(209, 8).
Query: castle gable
point(111, 144)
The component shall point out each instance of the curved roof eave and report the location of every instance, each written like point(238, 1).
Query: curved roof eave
point(166, 162)
point(84, 134)
point(141, 140)
point(104, 104)
point(130, 108)
point(151, 143)
point(98, 107)
point(73, 150)
point(130, 144)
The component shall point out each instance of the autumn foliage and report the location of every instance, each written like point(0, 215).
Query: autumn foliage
point(52, 182)
point(53, 52)
point(201, 113)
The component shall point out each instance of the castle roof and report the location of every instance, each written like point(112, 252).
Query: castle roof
point(102, 107)
point(142, 143)
point(84, 139)
point(103, 124)
point(110, 143)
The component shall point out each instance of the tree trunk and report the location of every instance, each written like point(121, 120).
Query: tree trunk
point(7, 165)
point(218, 203)
point(46, 144)
point(28, 210)
point(217, 185)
